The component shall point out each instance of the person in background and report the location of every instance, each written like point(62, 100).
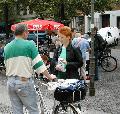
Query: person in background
point(45, 60)
point(83, 45)
point(21, 58)
point(67, 59)
point(1, 48)
point(54, 37)
point(1, 54)
point(57, 43)
point(99, 45)
point(77, 35)
point(73, 30)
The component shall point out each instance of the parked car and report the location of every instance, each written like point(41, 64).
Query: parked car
point(110, 34)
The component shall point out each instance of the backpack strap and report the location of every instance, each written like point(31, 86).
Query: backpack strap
point(78, 43)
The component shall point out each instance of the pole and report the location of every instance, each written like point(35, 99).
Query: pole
point(6, 18)
point(61, 11)
point(37, 39)
point(16, 7)
point(92, 58)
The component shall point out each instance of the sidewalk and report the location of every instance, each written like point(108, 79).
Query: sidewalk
point(5, 103)
point(105, 101)
point(4, 99)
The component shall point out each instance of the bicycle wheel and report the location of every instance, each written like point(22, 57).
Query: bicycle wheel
point(65, 109)
point(109, 63)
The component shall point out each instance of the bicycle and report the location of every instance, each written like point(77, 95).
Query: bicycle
point(59, 107)
point(106, 60)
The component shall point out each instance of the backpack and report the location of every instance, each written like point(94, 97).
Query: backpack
point(76, 46)
point(70, 92)
point(99, 43)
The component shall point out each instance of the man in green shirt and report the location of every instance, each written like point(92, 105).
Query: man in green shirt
point(21, 59)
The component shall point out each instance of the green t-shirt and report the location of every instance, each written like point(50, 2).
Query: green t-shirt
point(62, 56)
point(21, 57)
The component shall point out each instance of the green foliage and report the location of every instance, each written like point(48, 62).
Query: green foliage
point(99, 6)
point(51, 8)
point(102, 5)
point(10, 7)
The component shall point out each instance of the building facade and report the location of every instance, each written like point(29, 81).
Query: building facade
point(101, 20)
point(108, 19)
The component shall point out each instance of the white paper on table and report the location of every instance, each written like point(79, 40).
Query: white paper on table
point(68, 81)
point(53, 85)
point(61, 82)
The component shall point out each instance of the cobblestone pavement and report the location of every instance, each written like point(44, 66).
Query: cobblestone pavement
point(107, 96)
point(105, 101)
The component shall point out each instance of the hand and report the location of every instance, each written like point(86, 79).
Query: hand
point(58, 67)
point(64, 61)
point(53, 76)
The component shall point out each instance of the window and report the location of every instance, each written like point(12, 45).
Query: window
point(105, 20)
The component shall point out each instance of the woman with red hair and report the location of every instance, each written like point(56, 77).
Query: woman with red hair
point(67, 59)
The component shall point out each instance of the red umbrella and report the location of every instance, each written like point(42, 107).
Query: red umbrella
point(37, 25)
point(52, 25)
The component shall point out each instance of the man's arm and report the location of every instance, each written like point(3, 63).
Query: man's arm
point(50, 77)
point(38, 64)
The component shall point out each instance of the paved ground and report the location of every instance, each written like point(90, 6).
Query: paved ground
point(107, 96)
point(105, 101)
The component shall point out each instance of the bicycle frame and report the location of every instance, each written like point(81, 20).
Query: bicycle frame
point(43, 107)
point(42, 104)
point(104, 53)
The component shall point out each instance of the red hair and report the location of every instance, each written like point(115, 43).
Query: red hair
point(65, 31)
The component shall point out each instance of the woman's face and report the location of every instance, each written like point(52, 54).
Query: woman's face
point(63, 39)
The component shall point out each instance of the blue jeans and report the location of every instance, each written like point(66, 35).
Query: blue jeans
point(22, 93)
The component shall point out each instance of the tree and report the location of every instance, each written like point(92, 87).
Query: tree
point(100, 6)
point(51, 8)
point(9, 13)
point(5, 14)
point(46, 8)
